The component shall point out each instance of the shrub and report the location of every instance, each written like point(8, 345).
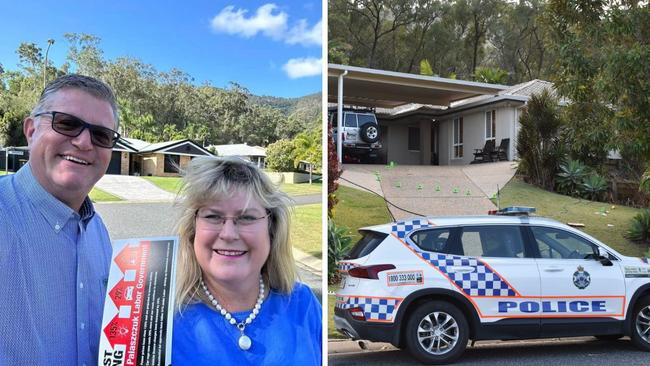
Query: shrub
point(333, 171)
point(538, 144)
point(570, 178)
point(280, 156)
point(338, 245)
point(594, 186)
point(640, 226)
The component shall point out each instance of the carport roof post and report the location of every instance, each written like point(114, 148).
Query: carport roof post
point(389, 89)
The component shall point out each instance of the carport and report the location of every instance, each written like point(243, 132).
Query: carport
point(359, 86)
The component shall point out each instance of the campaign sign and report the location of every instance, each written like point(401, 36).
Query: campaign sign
point(139, 305)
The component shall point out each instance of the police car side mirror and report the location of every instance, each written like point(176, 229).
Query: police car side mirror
point(603, 257)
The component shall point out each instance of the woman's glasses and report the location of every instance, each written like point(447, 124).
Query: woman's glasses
point(215, 222)
point(71, 126)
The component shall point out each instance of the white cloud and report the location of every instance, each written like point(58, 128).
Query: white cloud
point(234, 21)
point(269, 21)
point(303, 67)
point(301, 34)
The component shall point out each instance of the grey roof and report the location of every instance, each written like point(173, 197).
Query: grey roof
point(161, 145)
point(239, 150)
point(518, 93)
point(529, 88)
point(140, 146)
point(526, 90)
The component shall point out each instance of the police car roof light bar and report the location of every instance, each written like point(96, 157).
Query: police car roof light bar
point(514, 211)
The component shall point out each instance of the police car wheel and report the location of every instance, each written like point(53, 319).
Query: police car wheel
point(436, 333)
point(641, 324)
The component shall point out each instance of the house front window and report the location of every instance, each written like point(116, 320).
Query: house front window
point(490, 125)
point(172, 162)
point(458, 138)
point(414, 139)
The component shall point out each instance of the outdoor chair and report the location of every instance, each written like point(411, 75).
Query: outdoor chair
point(501, 153)
point(484, 154)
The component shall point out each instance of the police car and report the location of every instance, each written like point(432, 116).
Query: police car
point(431, 284)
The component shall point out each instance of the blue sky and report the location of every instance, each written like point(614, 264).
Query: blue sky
point(271, 47)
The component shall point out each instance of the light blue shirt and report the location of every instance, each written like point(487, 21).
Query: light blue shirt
point(287, 331)
point(54, 266)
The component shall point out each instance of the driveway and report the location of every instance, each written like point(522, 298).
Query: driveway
point(133, 188)
point(433, 190)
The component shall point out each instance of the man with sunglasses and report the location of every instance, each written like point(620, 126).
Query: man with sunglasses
point(54, 248)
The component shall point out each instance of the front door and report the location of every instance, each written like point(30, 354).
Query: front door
point(434, 143)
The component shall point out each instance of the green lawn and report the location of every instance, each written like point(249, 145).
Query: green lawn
point(306, 231)
point(608, 228)
point(169, 184)
point(357, 209)
point(172, 184)
point(301, 188)
point(97, 195)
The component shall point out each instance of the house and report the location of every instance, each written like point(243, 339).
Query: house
point(13, 157)
point(453, 133)
point(130, 157)
point(255, 154)
point(137, 157)
point(426, 120)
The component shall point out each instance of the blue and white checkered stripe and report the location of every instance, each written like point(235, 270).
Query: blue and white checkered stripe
point(373, 308)
point(401, 228)
point(346, 266)
point(480, 282)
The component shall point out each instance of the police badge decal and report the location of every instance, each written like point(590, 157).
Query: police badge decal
point(581, 278)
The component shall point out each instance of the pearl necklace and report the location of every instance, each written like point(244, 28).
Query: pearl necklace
point(244, 341)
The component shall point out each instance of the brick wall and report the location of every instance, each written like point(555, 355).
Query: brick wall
point(124, 163)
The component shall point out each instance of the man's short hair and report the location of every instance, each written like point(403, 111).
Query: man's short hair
point(90, 85)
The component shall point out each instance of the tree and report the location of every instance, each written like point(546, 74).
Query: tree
point(425, 13)
point(490, 75)
point(425, 68)
point(338, 51)
point(30, 57)
point(369, 22)
point(11, 129)
point(603, 52)
point(262, 123)
point(85, 54)
point(308, 147)
point(280, 156)
point(481, 15)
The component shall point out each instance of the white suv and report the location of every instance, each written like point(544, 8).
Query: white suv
point(360, 129)
point(430, 284)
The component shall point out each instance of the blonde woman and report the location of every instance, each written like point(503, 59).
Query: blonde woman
point(237, 296)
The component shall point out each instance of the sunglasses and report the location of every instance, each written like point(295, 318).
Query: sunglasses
point(71, 126)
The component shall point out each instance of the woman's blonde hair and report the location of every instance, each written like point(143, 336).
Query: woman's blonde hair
point(209, 179)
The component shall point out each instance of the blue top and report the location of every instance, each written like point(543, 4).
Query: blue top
point(54, 267)
point(287, 331)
